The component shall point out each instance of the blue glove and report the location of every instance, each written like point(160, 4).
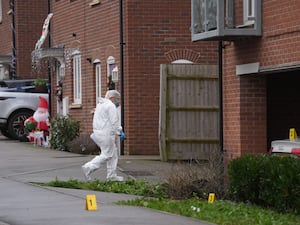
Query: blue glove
point(122, 136)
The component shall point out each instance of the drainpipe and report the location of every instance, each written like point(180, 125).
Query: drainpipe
point(49, 68)
point(220, 52)
point(122, 71)
point(14, 54)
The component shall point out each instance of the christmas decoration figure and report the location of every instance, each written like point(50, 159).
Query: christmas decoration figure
point(38, 124)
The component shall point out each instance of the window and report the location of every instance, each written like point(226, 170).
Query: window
point(98, 80)
point(111, 64)
point(0, 11)
point(76, 77)
point(225, 20)
point(249, 12)
point(58, 100)
point(205, 15)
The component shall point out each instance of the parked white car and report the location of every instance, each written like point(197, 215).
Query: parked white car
point(286, 147)
point(17, 103)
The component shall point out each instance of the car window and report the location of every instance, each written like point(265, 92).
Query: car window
point(3, 84)
point(19, 86)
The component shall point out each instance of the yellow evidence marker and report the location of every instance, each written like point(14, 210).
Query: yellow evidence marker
point(293, 134)
point(211, 198)
point(91, 203)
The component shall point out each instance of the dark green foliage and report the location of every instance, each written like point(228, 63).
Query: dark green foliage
point(62, 131)
point(269, 181)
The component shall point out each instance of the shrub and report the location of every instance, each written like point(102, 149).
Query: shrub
point(244, 177)
point(196, 178)
point(62, 131)
point(269, 181)
point(281, 183)
point(180, 181)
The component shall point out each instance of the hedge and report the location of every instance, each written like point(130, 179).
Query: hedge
point(268, 181)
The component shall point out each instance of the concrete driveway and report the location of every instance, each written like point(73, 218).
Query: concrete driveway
point(22, 203)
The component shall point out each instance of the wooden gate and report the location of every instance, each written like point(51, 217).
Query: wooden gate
point(189, 111)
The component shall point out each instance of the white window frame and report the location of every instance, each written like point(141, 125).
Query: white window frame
point(58, 77)
point(111, 63)
point(77, 82)
point(1, 15)
point(249, 11)
point(98, 80)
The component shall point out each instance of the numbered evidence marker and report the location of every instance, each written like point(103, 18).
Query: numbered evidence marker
point(293, 134)
point(211, 198)
point(91, 203)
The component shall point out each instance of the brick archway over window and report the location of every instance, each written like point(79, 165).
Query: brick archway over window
point(187, 54)
point(75, 44)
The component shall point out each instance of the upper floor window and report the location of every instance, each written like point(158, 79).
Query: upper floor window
point(249, 11)
point(77, 83)
point(205, 15)
point(226, 19)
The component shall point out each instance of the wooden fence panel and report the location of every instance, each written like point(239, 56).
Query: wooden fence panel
point(189, 111)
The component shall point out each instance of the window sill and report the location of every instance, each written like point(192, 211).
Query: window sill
point(94, 2)
point(75, 106)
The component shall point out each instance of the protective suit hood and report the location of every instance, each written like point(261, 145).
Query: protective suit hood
point(106, 119)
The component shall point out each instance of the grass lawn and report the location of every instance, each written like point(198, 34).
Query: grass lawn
point(219, 212)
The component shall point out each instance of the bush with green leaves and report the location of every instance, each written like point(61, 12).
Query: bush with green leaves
point(265, 180)
point(63, 130)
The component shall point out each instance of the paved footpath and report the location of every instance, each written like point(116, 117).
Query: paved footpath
point(22, 203)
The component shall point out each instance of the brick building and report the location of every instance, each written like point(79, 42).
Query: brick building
point(83, 49)
point(260, 65)
point(154, 33)
point(261, 60)
point(20, 28)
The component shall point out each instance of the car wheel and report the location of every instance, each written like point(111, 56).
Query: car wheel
point(16, 127)
point(5, 133)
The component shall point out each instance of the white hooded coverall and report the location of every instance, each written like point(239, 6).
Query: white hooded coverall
point(105, 128)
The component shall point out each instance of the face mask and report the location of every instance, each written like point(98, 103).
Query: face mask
point(116, 103)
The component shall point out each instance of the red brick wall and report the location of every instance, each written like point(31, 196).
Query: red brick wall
point(29, 19)
point(94, 32)
point(245, 97)
point(157, 32)
point(5, 30)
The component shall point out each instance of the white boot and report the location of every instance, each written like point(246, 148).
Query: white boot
point(86, 173)
point(116, 178)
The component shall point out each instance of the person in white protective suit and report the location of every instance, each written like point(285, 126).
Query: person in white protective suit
point(106, 127)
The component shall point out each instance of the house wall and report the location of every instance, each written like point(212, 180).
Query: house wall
point(94, 31)
point(157, 32)
point(5, 30)
point(29, 23)
point(245, 108)
point(29, 17)
point(151, 37)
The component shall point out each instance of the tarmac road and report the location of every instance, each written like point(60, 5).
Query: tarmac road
point(23, 203)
